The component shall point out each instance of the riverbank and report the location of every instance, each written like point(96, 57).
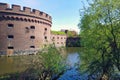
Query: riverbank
point(17, 64)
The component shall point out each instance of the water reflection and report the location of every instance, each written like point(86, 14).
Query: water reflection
point(72, 60)
point(14, 64)
point(18, 64)
point(72, 73)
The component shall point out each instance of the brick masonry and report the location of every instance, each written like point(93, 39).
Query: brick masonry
point(24, 30)
point(58, 40)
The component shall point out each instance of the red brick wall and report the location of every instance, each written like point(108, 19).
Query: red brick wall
point(22, 20)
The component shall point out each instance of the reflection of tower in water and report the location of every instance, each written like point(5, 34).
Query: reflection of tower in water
point(9, 60)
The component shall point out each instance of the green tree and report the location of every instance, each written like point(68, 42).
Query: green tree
point(49, 65)
point(100, 29)
point(53, 62)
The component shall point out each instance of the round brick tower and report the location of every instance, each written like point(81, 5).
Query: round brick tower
point(23, 30)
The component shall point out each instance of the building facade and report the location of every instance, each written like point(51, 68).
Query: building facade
point(23, 30)
point(58, 40)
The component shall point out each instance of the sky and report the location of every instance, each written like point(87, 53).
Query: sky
point(65, 13)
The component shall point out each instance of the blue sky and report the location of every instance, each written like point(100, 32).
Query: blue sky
point(65, 13)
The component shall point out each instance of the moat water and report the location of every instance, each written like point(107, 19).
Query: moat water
point(15, 64)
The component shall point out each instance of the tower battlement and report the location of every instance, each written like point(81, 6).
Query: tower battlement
point(25, 30)
point(4, 7)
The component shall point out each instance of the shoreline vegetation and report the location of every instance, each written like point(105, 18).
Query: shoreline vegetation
point(48, 64)
point(100, 51)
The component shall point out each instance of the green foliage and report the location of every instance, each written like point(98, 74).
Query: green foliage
point(58, 32)
point(73, 42)
point(100, 28)
point(70, 34)
point(46, 65)
point(12, 76)
point(52, 60)
point(49, 63)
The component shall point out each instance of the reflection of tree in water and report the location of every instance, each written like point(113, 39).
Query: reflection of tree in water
point(31, 66)
point(73, 49)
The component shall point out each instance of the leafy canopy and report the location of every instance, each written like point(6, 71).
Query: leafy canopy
point(100, 29)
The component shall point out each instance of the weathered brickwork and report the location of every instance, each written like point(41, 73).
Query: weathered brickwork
point(23, 30)
point(58, 40)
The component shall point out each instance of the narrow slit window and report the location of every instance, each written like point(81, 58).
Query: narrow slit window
point(32, 46)
point(32, 27)
point(10, 47)
point(32, 37)
point(45, 29)
point(45, 37)
point(53, 37)
point(10, 36)
point(10, 25)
